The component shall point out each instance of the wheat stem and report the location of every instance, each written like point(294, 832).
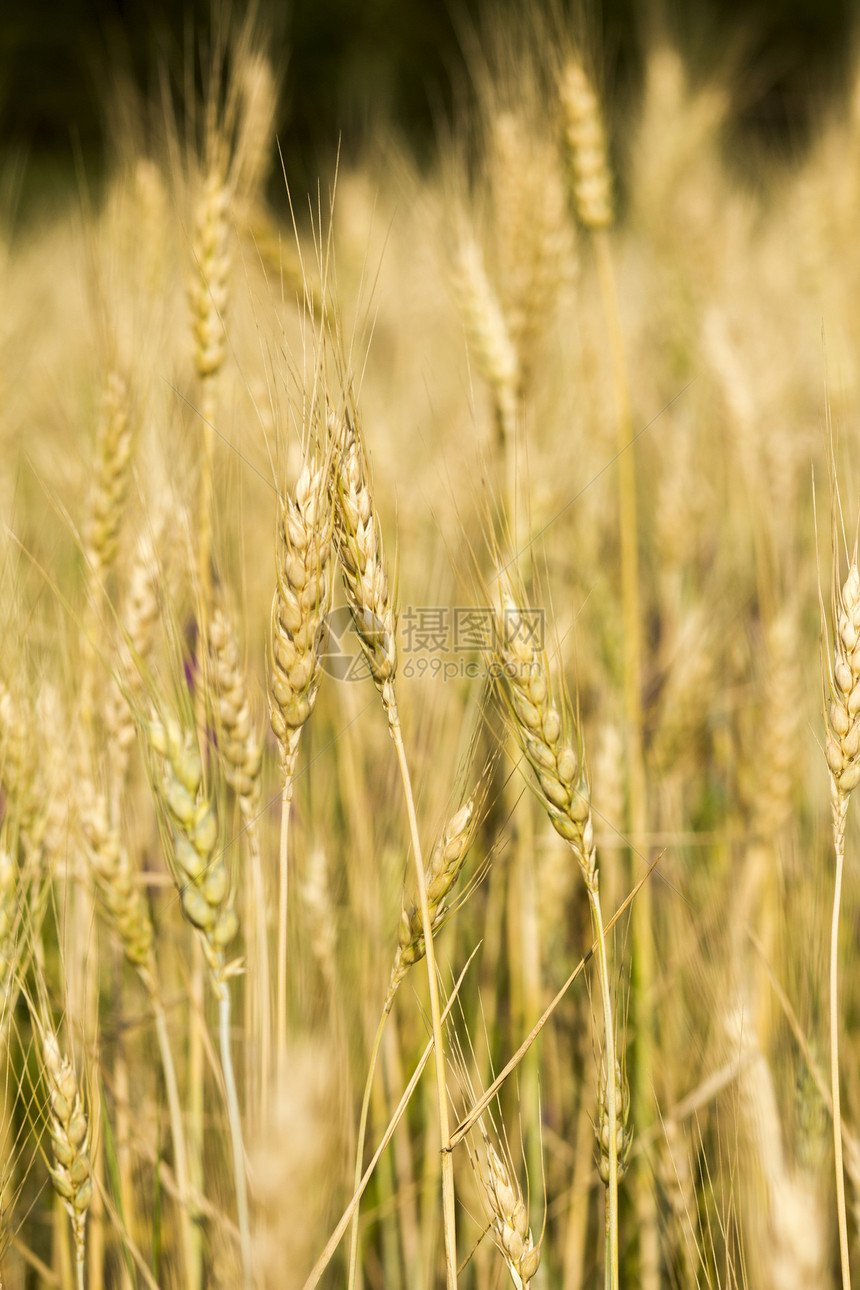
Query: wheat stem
point(196, 1095)
point(180, 1159)
point(611, 1099)
point(335, 1238)
point(235, 1138)
point(263, 993)
point(643, 930)
point(362, 1131)
point(840, 810)
point(441, 1082)
point(283, 892)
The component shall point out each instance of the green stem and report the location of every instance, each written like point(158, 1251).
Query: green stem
point(643, 925)
point(236, 1138)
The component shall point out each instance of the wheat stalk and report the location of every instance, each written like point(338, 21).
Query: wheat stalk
point(358, 542)
point(842, 752)
point(443, 869)
point(299, 610)
point(241, 752)
point(127, 912)
point(552, 744)
point(591, 186)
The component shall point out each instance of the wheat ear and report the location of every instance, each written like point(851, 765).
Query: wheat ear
point(199, 868)
point(120, 897)
point(358, 541)
point(503, 1198)
point(532, 233)
point(591, 180)
point(139, 616)
point(443, 869)
point(509, 1216)
point(70, 1140)
point(114, 444)
point(241, 751)
point(258, 93)
point(623, 1143)
point(19, 766)
point(488, 336)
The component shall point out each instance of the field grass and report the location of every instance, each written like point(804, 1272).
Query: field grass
point(429, 698)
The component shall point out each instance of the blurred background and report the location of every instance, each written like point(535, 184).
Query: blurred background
point(351, 64)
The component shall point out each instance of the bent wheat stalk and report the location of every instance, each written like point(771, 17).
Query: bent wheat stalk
point(552, 744)
point(358, 542)
point(591, 186)
point(843, 759)
point(336, 1236)
point(299, 611)
point(444, 867)
point(127, 911)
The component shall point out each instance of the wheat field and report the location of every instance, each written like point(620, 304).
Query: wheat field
point(430, 694)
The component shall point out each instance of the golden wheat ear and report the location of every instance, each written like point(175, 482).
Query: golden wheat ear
point(591, 179)
point(300, 608)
